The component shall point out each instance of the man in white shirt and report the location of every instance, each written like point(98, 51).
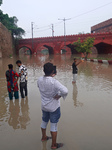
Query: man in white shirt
point(23, 78)
point(51, 90)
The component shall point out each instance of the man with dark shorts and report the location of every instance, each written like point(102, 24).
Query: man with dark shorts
point(23, 78)
point(75, 69)
point(51, 91)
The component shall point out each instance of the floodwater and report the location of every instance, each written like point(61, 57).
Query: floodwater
point(86, 121)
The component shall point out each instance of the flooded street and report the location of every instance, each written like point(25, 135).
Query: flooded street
point(86, 121)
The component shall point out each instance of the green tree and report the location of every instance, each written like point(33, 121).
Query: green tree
point(11, 24)
point(84, 47)
point(0, 2)
point(18, 32)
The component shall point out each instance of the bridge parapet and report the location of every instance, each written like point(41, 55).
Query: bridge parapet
point(60, 38)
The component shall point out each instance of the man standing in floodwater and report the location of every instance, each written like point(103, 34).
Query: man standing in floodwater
point(23, 78)
point(51, 91)
point(75, 70)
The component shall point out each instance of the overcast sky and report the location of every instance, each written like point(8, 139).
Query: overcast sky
point(83, 14)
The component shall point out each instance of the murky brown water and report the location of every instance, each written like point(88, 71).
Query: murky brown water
point(86, 122)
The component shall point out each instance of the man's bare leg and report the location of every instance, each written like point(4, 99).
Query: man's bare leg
point(44, 136)
point(54, 137)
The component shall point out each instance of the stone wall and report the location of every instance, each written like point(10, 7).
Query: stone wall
point(6, 49)
point(105, 26)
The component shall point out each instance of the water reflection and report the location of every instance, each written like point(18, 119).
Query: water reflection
point(14, 111)
point(95, 76)
point(19, 114)
point(3, 111)
point(44, 144)
point(75, 94)
point(24, 117)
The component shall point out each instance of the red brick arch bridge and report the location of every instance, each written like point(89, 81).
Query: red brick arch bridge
point(102, 42)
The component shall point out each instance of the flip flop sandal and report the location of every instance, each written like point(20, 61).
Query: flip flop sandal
point(48, 138)
point(58, 146)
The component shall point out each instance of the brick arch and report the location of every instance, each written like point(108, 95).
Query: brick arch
point(40, 47)
point(62, 46)
point(50, 49)
point(26, 47)
point(72, 48)
point(103, 48)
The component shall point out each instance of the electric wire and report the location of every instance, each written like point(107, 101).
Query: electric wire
point(58, 23)
point(91, 10)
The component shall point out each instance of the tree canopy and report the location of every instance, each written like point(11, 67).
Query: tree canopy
point(11, 24)
point(84, 47)
point(0, 2)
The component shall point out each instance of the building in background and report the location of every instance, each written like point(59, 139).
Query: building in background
point(105, 26)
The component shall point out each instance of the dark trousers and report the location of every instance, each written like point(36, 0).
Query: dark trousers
point(23, 88)
point(15, 94)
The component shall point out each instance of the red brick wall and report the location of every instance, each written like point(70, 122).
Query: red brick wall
point(5, 42)
point(105, 26)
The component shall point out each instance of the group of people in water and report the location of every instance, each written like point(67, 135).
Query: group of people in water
point(12, 80)
point(51, 90)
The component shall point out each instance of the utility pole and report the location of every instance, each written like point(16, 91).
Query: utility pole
point(52, 30)
point(64, 19)
point(32, 36)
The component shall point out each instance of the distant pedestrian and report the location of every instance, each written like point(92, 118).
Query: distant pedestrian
point(75, 69)
point(12, 86)
point(23, 78)
point(51, 91)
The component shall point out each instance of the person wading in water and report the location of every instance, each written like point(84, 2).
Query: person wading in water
point(12, 86)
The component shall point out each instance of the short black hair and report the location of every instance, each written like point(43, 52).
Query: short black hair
point(10, 66)
point(18, 62)
point(75, 58)
point(48, 68)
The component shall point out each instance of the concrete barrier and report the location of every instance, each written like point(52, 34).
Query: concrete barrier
point(101, 61)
